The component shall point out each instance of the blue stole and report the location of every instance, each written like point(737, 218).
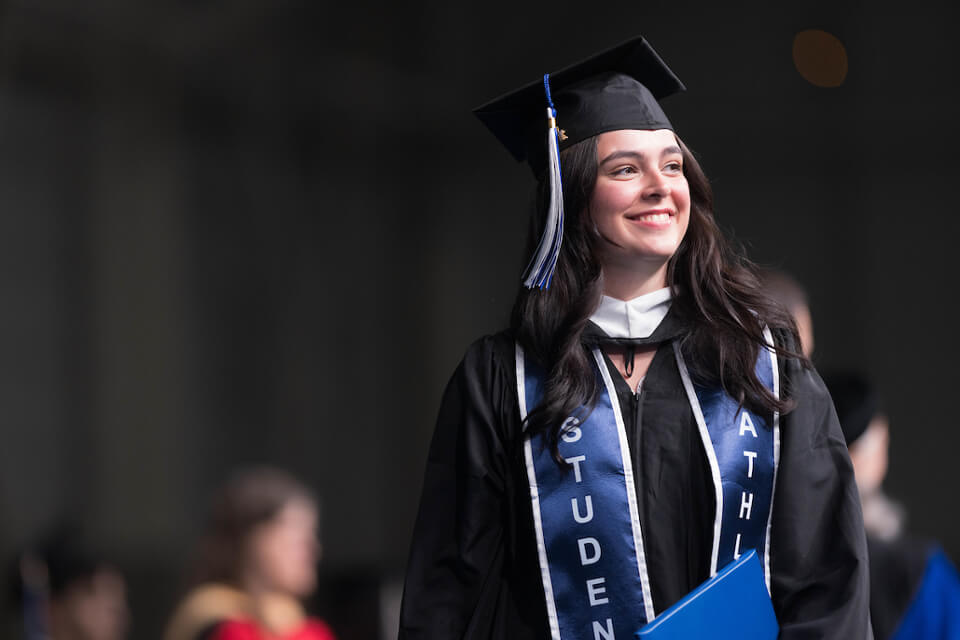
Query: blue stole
point(589, 537)
point(744, 450)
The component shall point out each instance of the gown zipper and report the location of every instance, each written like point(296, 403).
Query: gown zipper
point(637, 416)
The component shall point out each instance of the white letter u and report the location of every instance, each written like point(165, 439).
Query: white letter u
point(576, 510)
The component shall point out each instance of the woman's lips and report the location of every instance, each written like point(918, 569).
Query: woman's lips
point(653, 218)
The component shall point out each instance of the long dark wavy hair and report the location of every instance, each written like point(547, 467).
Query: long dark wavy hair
point(716, 290)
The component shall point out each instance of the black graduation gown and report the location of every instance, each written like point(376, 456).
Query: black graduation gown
point(473, 571)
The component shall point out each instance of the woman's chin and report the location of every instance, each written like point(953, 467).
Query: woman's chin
point(647, 253)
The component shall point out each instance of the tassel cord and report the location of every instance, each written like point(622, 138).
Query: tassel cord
point(539, 272)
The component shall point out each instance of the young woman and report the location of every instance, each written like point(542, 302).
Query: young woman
point(646, 420)
point(258, 560)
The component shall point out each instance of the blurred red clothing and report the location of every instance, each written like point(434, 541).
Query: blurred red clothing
point(250, 630)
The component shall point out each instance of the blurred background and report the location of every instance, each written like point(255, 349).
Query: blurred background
point(265, 232)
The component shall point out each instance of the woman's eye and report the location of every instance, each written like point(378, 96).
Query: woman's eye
point(673, 166)
point(624, 171)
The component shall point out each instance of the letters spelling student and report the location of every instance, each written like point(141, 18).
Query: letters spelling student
point(587, 546)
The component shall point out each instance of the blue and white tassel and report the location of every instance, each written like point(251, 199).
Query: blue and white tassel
point(539, 272)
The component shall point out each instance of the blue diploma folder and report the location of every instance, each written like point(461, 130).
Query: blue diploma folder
point(732, 604)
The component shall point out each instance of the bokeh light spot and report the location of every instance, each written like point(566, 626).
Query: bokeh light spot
point(820, 58)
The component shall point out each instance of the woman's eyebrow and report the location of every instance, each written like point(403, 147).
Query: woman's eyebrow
point(616, 155)
point(637, 155)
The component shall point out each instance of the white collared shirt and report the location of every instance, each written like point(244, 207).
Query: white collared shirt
point(636, 318)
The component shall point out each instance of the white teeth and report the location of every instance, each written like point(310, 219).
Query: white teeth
point(655, 217)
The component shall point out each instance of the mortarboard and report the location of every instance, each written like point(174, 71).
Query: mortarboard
point(855, 400)
point(612, 90)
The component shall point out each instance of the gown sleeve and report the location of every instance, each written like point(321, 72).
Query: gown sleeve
point(820, 575)
point(457, 552)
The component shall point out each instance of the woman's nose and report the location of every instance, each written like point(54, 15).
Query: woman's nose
point(656, 188)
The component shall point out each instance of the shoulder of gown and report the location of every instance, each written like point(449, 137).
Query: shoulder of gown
point(819, 567)
point(458, 580)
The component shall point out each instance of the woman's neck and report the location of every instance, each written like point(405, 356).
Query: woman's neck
point(626, 282)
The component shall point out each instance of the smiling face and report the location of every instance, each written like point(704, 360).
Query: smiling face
point(641, 202)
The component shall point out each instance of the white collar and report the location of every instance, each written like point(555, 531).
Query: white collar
point(637, 318)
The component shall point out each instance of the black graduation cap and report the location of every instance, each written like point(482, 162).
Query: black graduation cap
point(856, 402)
point(613, 90)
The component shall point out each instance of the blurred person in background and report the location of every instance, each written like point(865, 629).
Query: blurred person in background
point(257, 563)
point(785, 289)
point(914, 588)
point(67, 591)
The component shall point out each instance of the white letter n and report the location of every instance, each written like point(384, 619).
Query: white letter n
point(606, 633)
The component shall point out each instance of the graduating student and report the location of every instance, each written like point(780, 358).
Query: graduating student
point(592, 464)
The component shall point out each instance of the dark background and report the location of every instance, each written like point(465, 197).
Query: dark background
point(266, 231)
